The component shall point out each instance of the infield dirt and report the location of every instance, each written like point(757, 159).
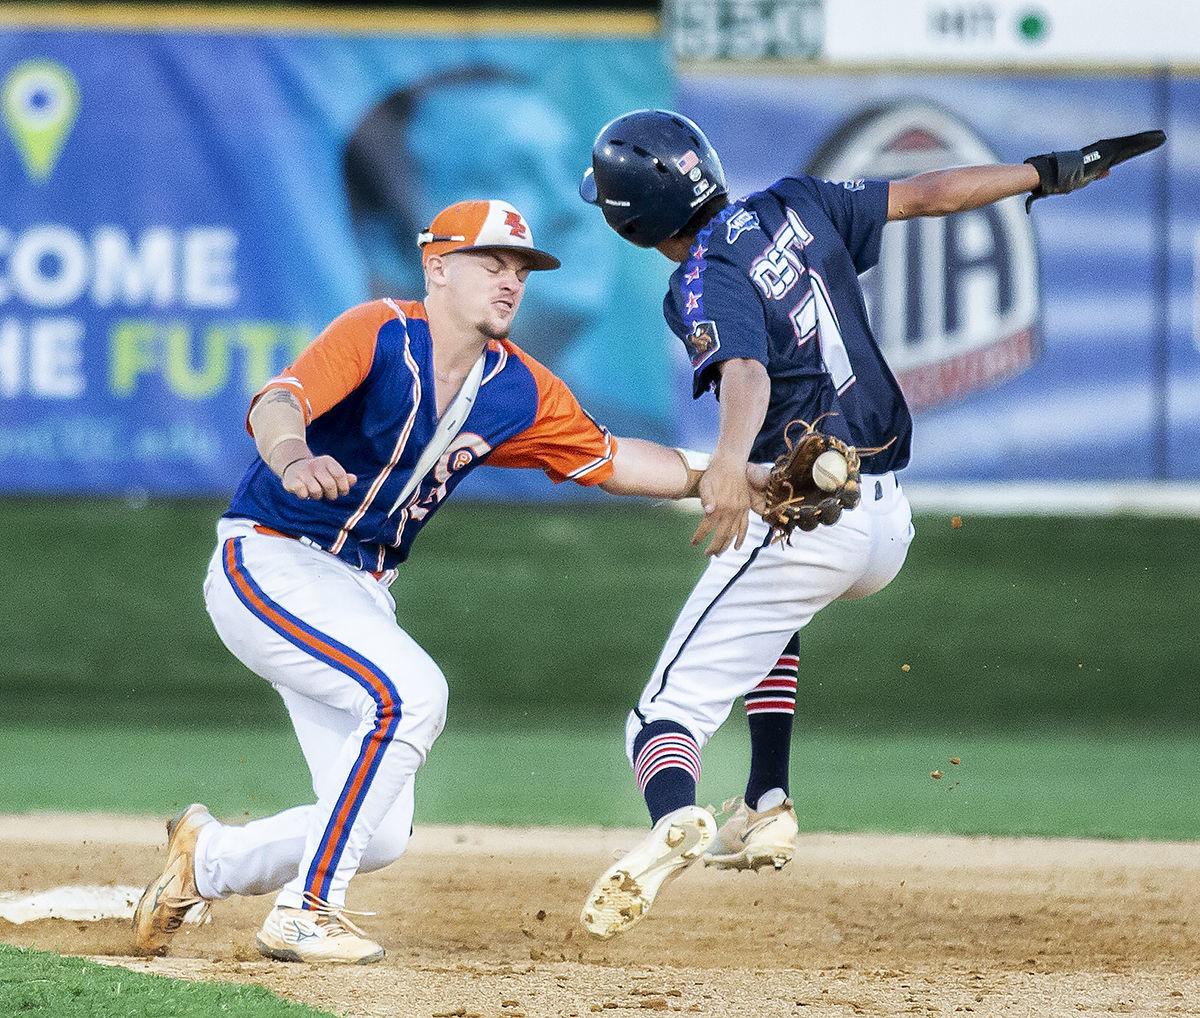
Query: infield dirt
point(483, 921)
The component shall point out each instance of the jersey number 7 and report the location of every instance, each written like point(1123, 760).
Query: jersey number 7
point(815, 314)
point(777, 270)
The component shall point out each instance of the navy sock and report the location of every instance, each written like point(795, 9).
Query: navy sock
point(770, 710)
point(666, 763)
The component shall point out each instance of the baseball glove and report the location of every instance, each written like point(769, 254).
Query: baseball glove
point(793, 498)
point(1063, 172)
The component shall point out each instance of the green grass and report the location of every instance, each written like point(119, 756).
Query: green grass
point(1005, 622)
point(1054, 656)
point(37, 983)
point(1045, 783)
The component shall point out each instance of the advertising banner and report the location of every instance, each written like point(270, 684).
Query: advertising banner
point(1062, 344)
point(1016, 33)
point(184, 210)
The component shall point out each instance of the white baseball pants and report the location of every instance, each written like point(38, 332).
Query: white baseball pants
point(748, 603)
point(366, 702)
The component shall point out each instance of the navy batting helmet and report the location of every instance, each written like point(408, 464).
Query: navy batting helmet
point(651, 170)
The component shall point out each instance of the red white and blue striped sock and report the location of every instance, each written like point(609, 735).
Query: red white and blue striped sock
point(770, 711)
point(666, 763)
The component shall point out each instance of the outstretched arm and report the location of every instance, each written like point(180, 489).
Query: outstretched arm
point(654, 471)
point(971, 187)
point(967, 187)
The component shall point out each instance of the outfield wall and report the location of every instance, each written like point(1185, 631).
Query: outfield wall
point(190, 197)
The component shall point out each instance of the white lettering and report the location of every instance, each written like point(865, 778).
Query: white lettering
point(44, 359)
point(49, 266)
point(11, 337)
point(56, 358)
point(5, 241)
point(779, 267)
point(208, 268)
point(804, 319)
point(829, 336)
point(121, 274)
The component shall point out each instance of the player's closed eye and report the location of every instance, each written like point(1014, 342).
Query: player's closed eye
point(497, 266)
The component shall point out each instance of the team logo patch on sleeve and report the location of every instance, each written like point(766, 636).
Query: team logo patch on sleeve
point(702, 342)
point(743, 222)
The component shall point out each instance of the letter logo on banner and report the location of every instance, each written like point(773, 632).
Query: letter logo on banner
point(954, 302)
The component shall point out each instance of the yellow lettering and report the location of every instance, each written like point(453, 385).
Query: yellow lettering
point(197, 364)
point(213, 371)
point(132, 353)
point(258, 340)
point(268, 348)
point(300, 338)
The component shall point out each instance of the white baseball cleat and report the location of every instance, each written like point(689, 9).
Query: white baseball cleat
point(750, 840)
point(169, 897)
point(320, 935)
point(626, 890)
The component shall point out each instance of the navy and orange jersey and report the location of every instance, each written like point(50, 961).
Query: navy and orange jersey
point(774, 278)
point(367, 388)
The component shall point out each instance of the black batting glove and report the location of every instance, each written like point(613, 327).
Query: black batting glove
point(1064, 172)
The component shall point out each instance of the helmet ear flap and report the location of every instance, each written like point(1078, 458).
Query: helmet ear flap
point(587, 187)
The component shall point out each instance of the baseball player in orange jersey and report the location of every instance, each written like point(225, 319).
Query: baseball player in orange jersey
point(360, 441)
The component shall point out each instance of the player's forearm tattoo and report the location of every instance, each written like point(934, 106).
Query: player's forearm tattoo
point(282, 396)
point(276, 419)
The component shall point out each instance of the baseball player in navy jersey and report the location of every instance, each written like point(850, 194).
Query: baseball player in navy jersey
point(767, 301)
point(360, 441)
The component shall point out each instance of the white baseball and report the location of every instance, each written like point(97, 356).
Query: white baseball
point(830, 470)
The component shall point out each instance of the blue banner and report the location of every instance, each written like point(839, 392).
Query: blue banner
point(1062, 344)
point(185, 210)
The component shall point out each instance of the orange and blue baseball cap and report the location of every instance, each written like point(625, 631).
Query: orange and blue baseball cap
point(482, 226)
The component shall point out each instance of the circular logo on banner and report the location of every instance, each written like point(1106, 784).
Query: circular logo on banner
point(955, 301)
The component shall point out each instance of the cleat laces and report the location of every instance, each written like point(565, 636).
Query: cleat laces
point(334, 919)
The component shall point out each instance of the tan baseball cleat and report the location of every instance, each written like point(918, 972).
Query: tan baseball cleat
point(750, 840)
point(626, 890)
point(322, 935)
point(170, 895)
